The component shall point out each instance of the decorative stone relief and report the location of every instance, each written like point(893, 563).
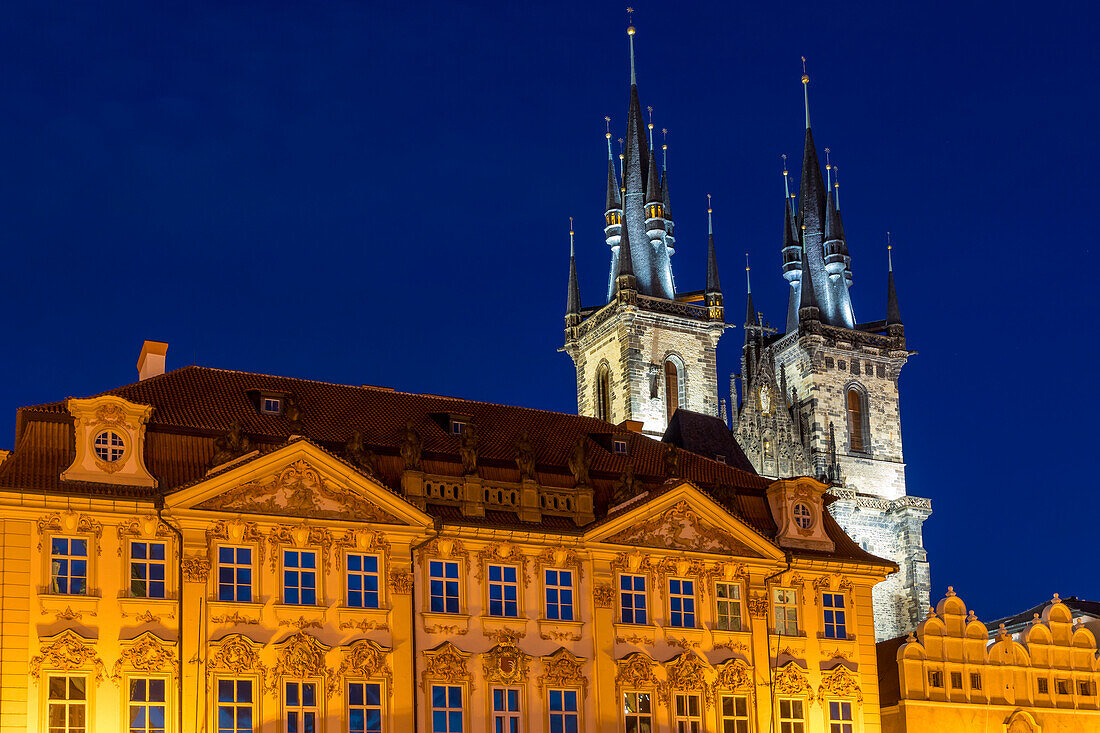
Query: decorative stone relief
point(446, 663)
point(234, 618)
point(147, 653)
point(445, 548)
point(734, 675)
point(635, 670)
point(840, 682)
point(401, 582)
point(300, 655)
point(237, 531)
point(67, 651)
point(362, 540)
point(758, 605)
point(504, 664)
point(503, 552)
point(563, 669)
point(301, 536)
point(237, 655)
point(196, 568)
point(365, 658)
point(681, 528)
point(70, 522)
point(561, 557)
point(603, 596)
point(146, 527)
point(364, 625)
point(684, 672)
point(791, 680)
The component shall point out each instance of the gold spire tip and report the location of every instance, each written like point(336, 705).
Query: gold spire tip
point(630, 21)
point(805, 76)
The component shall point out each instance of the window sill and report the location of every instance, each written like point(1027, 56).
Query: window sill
point(496, 624)
point(68, 606)
point(363, 619)
point(552, 630)
point(147, 609)
point(450, 624)
point(635, 633)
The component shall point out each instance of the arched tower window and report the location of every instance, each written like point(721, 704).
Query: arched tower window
point(674, 386)
point(603, 393)
point(858, 439)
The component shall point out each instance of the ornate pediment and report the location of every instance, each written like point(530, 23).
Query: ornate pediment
point(681, 528)
point(299, 490)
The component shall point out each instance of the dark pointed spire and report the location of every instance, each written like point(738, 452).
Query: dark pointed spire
point(713, 284)
point(811, 191)
point(653, 185)
point(573, 299)
point(626, 262)
point(807, 306)
point(750, 309)
point(614, 201)
point(893, 313)
point(664, 176)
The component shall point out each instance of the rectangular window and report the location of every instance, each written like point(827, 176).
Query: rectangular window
point(681, 603)
point(446, 709)
point(791, 717)
point(503, 591)
point(734, 714)
point(619, 447)
point(835, 624)
point(688, 716)
point(363, 581)
point(1044, 686)
point(67, 705)
point(235, 706)
point(364, 707)
point(443, 585)
point(69, 566)
point(146, 705)
point(506, 713)
point(559, 595)
point(638, 712)
point(300, 707)
point(840, 717)
point(300, 577)
point(564, 715)
point(1061, 687)
point(632, 598)
point(1084, 688)
point(147, 570)
point(457, 426)
point(957, 680)
point(235, 574)
point(935, 679)
point(975, 681)
point(272, 405)
point(785, 601)
point(729, 606)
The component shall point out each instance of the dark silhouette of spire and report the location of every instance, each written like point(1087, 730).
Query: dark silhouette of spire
point(807, 307)
point(750, 309)
point(614, 201)
point(573, 299)
point(893, 313)
point(713, 284)
point(625, 279)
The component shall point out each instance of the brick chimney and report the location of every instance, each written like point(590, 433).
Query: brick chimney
point(151, 361)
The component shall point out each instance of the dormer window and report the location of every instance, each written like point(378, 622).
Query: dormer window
point(619, 447)
point(720, 458)
point(803, 517)
point(457, 426)
point(109, 446)
point(271, 405)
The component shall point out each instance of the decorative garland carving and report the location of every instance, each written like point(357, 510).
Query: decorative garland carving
point(505, 553)
point(301, 535)
point(634, 639)
point(563, 669)
point(144, 617)
point(66, 615)
point(196, 568)
point(147, 653)
point(446, 663)
point(368, 659)
point(791, 680)
point(840, 682)
point(362, 540)
point(733, 646)
point(728, 572)
point(234, 618)
point(682, 643)
point(447, 630)
point(236, 654)
point(446, 548)
point(685, 672)
point(683, 567)
point(364, 625)
point(401, 582)
point(67, 651)
point(300, 655)
point(559, 636)
point(70, 522)
point(603, 596)
point(635, 670)
point(506, 636)
point(504, 664)
point(237, 531)
point(633, 561)
point(734, 675)
point(758, 605)
point(146, 526)
point(301, 623)
point(561, 557)
point(111, 415)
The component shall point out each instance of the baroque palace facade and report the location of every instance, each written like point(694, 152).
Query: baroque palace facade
point(208, 550)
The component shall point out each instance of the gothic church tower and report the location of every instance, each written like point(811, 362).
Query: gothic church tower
point(649, 350)
point(822, 399)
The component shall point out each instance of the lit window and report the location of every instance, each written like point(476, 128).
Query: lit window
point(443, 586)
point(734, 713)
point(620, 447)
point(840, 717)
point(559, 595)
point(674, 387)
point(363, 581)
point(681, 603)
point(603, 393)
point(235, 574)
point(856, 417)
point(300, 577)
point(503, 591)
point(835, 626)
point(67, 706)
point(975, 681)
point(272, 405)
point(688, 717)
point(109, 446)
point(69, 566)
point(785, 601)
point(147, 570)
point(506, 713)
point(935, 679)
point(235, 706)
point(364, 707)
point(638, 712)
point(957, 680)
point(729, 606)
point(803, 517)
point(146, 706)
point(791, 717)
point(767, 448)
point(1044, 686)
point(632, 599)
point(446, 709)
point(564, 716)
point(300, 705)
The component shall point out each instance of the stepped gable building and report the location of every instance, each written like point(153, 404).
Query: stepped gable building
point(649, 350)
point(822, 398)
point(219, 550)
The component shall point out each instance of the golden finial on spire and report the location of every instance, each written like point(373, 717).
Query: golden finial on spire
point(806, 91)
point(710, 221)
point(650, 127)
point(570, 226)
point(622, 158)
point(708, 204)
point(889, 253)
point(836, 187)
point(571, 252)
point(630, 20)
point(747, 268)
point(607, 125)
point(630, 33)
point(664, 149)
point(786, 181)
point(828, 172)
point(805, 76)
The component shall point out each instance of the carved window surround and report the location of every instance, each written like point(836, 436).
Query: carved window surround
point(67, 651)
point(457, 624)
point(563, 669)
point(56, 602)
point(494, 625)
point(561, 558)
point(643, 633)
point(145, 655)
point(147, 610)
point(676, 636)
point(292, 615)
point(251, 609)
point(561, 631)
point(363, 619)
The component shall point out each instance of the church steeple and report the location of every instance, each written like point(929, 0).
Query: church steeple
point(613, 212)
point(713, 291)
point(573, 298)
point(893, 313)
point(807, 307)
point(750, 309)
point(792, 253)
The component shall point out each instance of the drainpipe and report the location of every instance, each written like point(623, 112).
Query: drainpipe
point(779, 638)
point(437, 526)
point(159, 504)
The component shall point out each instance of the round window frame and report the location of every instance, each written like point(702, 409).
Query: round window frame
point(103, 462)
point(808, 516)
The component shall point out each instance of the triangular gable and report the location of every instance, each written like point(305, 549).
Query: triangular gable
point(685, 519)
point(299, 480)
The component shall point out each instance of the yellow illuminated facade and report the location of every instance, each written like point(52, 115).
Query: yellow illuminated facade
point(315, 597)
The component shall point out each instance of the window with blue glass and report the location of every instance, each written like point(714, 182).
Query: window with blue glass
point(446, 709)
point(835, 625)
point(564, 716)
point(840, 716)
point(503, 591)
point(147, 570)
point(506, 712)
point(681, 603)
point(146, 706)
point(235, 706)
point(632, 599)
point(364, 707)
point(69, 566)
point(443, 586)
point(300, 577)
point(300, 707)
point(363, 581)
point(559, 595)
point(235, 574)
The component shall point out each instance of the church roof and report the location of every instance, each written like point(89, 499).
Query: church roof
point(706, 435)
point(193, 406)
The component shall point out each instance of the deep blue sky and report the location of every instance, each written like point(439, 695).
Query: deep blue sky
point(379, 193)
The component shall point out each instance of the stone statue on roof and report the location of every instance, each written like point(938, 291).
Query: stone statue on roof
point(410, 448)
point(359, 455)
point(672, 460)
point(626, 486)
point(525, 457)
point(231, 445)
point(578, 462)
point(467, 449)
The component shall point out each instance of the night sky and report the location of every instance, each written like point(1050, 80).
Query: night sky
point(379, 193)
